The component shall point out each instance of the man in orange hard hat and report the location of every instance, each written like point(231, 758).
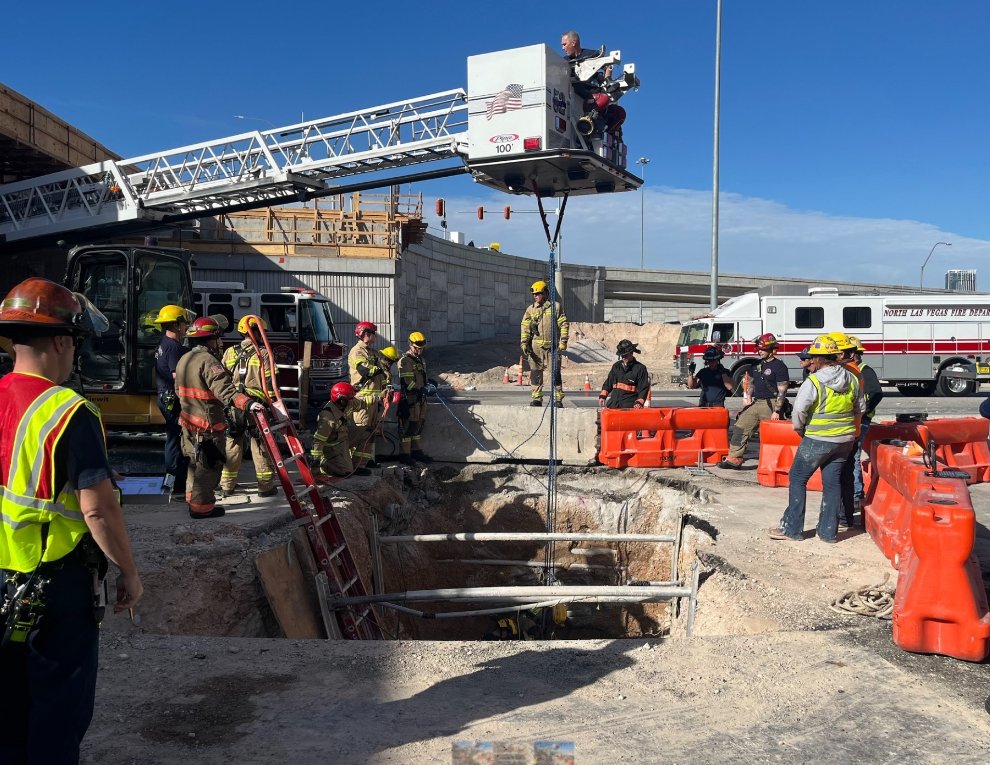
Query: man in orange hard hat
point(60, 523)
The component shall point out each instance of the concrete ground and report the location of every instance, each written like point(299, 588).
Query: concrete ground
point(770, 675)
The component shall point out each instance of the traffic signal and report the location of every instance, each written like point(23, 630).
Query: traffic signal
point(507, 212)
point(441, 208)
point(481, 213)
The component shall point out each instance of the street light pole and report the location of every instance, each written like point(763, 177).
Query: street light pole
point(644, 161)
point(713, 295)
point(921, 282)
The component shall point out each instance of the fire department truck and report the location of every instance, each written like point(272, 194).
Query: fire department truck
point(294, 316)
point(922, 344)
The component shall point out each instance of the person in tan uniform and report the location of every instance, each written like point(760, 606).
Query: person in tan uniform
point(249, 370)
point(331, 452)
point(370, 378)
point(412, 405)
point(204, 388)
point(538, 338)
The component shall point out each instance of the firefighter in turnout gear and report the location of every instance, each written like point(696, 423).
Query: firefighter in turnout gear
point(370, 378)
point(205, 389)
point(60, 522)
point(628, 383)
point(413, 385)
point(538, 338)
point(249, 371)
point(331, 452)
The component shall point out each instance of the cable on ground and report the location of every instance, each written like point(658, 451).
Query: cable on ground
point(876, 600)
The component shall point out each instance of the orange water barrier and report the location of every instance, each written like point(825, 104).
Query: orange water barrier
point(663, 437)
point(961, 442)
point(926, 527)
point(778, 444)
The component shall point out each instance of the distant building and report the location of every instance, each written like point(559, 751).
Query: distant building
point(960, 279)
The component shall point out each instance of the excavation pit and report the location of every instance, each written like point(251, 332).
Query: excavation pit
point(203, 579)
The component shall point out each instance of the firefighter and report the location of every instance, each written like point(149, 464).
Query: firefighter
point(251, 372)
point(205, 388)
point(768, 387)
point(331, 450)
point(414, 387)
point(628, 382)
point(370, 377)
point(60, 522)
point(537, 339)
point(847, 360)
point(173, 320)
point(873, 393)
point(714, 379)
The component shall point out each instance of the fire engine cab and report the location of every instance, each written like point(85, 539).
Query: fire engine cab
point(294, 316)
point(922, 344)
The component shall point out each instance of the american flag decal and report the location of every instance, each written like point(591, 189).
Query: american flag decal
point(510, 98)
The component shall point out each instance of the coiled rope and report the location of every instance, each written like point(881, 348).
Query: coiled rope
point(876, 600)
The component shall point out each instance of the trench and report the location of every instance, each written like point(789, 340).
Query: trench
point(201, 579)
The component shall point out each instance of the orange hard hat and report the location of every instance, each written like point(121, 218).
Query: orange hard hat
point(40, 306)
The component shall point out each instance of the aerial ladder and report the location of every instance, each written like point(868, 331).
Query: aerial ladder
point(521, 127)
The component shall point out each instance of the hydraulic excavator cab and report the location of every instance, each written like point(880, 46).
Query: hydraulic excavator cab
point(129, 285)
point(539, 123)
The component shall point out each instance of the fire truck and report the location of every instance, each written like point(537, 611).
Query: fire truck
point(295, 316)
point(922, 344)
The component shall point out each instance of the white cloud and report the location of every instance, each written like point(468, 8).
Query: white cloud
point(757, 236)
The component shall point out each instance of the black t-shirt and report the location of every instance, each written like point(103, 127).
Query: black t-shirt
point(81, 453)
point(166, 360)
point(766, 376)
point(713, 390)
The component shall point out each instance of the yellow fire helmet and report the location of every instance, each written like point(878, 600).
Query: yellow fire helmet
point(538, 287)
point(842, 341)
point(857, 343)
point(170, 313)
point(242, 325)
point(824, 345)
point(418, 339)
point(389, 353)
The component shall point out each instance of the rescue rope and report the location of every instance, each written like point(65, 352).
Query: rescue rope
point(876, 600)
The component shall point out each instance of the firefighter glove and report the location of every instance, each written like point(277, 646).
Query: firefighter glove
point(691, 367)
point(562, 347)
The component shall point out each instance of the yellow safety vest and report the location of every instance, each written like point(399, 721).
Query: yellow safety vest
point(23, 511)
point(834, 413)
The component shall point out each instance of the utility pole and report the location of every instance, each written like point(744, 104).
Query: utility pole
point(643, 161)
point(713, 296)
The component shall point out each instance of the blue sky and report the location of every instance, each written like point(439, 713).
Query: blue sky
point(854, 134)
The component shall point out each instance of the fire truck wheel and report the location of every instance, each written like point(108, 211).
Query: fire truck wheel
point(953, 386)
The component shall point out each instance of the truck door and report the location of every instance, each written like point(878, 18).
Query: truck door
point(102, 276)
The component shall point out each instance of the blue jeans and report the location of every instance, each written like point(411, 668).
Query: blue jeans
point(857, 467)
point(175, 463)
point(811, 455)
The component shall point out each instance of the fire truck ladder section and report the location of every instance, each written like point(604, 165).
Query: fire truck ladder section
point(245, 171)
point(338, 575)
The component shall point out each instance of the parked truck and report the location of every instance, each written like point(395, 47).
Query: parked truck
point(923, 344)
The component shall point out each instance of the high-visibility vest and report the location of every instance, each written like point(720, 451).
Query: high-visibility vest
point(244, 365)
point(834, 413)
point(34, 412)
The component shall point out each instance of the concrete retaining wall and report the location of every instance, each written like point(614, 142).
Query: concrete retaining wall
point(508, 428)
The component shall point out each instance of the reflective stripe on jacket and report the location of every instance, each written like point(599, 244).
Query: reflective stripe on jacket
point(536, 326)
point(834, 412)
point(34, 412)
point(204, 389)
point(244, 366)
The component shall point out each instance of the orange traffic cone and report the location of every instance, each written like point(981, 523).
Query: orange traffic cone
point(505, 377)
point(521, 373)
point(587, 385)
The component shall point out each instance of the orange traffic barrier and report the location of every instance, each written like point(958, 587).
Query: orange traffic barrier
point(926, 526)
point(664, 437)
point(778, 444)
point(961, 443)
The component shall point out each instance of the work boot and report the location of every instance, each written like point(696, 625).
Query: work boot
point(421, 456)
point(406, 459)
point(227, 493)
point(559, 404)
point(373, 464)
point(536, 402)
point(362, 472)
point(731, 463)
point(216, 512)
point(268, 492)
